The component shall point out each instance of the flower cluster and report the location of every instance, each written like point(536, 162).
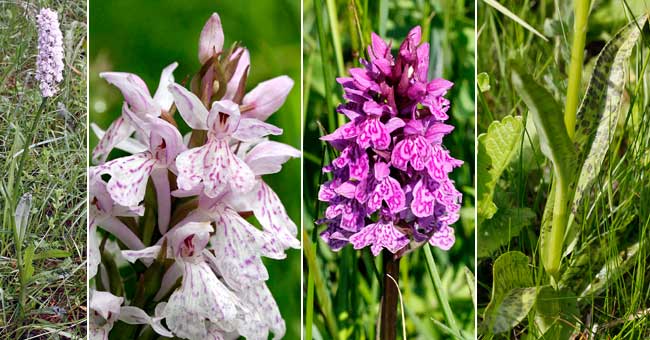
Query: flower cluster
point(178, 204)
point(390, 182)
point(50, 52)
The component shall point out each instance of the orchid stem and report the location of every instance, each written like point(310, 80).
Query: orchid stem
point(388, 324)
point(581, 12)
point(22, 295)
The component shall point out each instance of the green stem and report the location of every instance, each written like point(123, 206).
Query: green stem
point(437, 287)
point(581, 12)
point(22, 295)
point(28, 140)
point(560, 219)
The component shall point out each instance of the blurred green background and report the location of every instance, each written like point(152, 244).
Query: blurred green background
point(143, 37)
point(346, 291)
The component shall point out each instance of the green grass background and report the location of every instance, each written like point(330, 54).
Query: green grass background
point(142, 37)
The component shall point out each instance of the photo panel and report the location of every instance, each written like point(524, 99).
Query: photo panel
point(195, 168)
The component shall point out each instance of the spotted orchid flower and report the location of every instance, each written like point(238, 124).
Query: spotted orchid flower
point(390, 185)
point(107, 308)
point(139, 101)
point(214, 165)
point(129, 175)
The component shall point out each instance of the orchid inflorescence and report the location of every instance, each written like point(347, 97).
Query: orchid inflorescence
point(196, 189)
point(49, 61)
point(390, 184)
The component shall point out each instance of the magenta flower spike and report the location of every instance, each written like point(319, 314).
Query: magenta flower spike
point(390, 183)
point(50, 52)
point(206, 185)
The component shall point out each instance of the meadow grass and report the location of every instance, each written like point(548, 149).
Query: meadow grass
point(54, 173)
point(342, 290)
point(608, 269)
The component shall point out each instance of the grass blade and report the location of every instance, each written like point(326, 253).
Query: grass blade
point(505, 11)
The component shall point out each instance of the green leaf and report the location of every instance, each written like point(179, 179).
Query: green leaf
point(504, 225)
point(549, 122)
point(28, 267)
point(483, 81)
point(556, 313)
point(496, 148)
point(51, 254)
point(599, 113)
point(513, 293)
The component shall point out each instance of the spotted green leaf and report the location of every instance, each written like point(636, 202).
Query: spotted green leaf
point(556, 313)
point(513, 293)
point(496, 148)
point(599, 113)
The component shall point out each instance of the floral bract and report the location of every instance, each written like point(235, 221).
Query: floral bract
point(390, 183)
point(213, 286)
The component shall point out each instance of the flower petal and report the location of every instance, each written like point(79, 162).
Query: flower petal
point(216, 167)
point(136, 316)
point(267, 97)
point(201, 297)
point(190, 107)
point(216, 122)
point(273, 217)
point(267, 157)
point(259, 299)
point(211, 40)
point(379, 235)
point(114, 136)
point(146, 254)
point(241, 70)
point(129, 176)
point(162, 96)
point(443, 238)
point(251, 129)
point(134, 90)
point(239, 247)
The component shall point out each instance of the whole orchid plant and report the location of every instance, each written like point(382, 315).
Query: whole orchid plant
point(389, 187)
point(179, 207)
point(17, 199)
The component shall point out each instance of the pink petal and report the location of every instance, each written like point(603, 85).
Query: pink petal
point(251, 129)
point(117, 132)
point(267, 97)
point(423, 203)
point(238, 246)
point(114, 226)
point(130, 145)
point(190, 107)
point(216, 122)
point(379, 235)
point(267, 157)
point(129, 176)
point(201, 297)
point(216, 167)
point(160, 178)
point(259, 299)
point(211, 40)
point(273, 217)
point(189, 240)
point(242, 68)
point(162, 96)
point(443, 238)
point(146, 255)
point(345, 131)
point(134, 90)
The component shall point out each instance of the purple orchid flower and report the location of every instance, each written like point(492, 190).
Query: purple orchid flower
point(392, 167)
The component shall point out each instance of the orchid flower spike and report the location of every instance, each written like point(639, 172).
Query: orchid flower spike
point(49, 62)
point(390, 186)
